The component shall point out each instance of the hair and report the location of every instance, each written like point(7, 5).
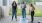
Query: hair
point(13, 3)
point(31, 5)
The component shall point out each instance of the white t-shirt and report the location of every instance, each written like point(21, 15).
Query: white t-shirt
point(23, 5)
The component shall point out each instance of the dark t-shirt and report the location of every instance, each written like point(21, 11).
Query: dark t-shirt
point(14, 7)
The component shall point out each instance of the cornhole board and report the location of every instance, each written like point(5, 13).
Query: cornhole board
point(23, 20)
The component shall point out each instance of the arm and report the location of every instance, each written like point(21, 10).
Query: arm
point(25, 5)
point(33, 7)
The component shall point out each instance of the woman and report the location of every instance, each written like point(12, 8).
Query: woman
point(31, 9)
point(14, 10)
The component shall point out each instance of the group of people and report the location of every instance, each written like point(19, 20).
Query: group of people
point(23, 6)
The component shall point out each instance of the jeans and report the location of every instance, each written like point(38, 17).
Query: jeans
point(23, 13)
point(14, 13)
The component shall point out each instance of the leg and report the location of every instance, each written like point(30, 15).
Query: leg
point(32, 18)
point(12, 14)
point(16, 15)
point(23, 13)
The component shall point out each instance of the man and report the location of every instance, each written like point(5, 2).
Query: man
point(23, 6)
point(23, 19)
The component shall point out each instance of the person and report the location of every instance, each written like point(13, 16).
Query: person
point(23, 6)
point(31, 9)
point(14, 10)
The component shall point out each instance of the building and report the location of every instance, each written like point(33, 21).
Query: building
point(6, 2)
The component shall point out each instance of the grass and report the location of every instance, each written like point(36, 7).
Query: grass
point(19, 12)
point(38, 12)
point(38, 15)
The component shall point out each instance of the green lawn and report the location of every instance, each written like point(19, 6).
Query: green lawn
point(37, 12)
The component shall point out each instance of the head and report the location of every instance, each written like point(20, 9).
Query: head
point(31, 5)
point(13, 3)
